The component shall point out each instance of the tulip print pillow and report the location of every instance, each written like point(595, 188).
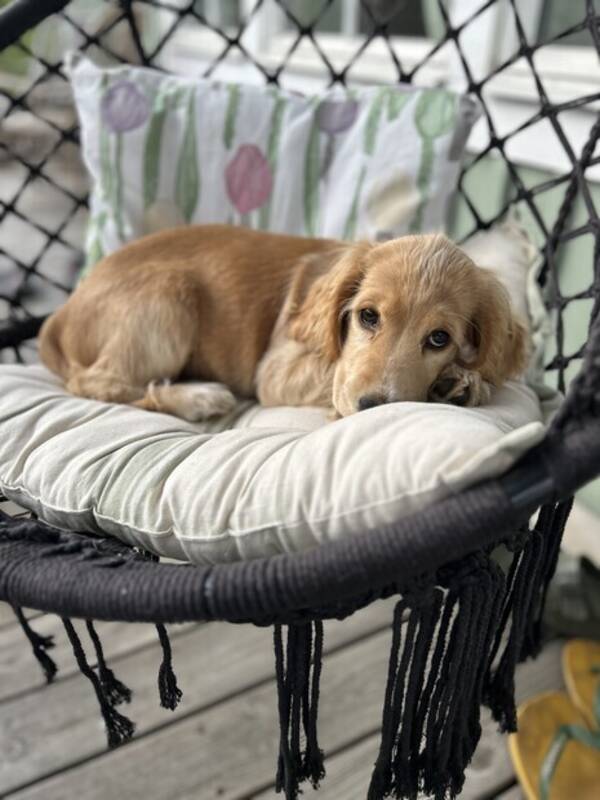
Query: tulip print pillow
point(372, 162)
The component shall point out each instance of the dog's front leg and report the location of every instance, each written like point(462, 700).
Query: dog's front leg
point(289, 374)
point(460, 387)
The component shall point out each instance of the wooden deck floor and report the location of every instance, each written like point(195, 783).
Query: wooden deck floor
point(222, 740)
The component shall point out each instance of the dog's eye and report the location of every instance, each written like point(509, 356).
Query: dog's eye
point(438, 339)
point(368, 317)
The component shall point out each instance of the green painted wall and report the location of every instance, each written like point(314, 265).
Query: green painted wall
point(489, 185)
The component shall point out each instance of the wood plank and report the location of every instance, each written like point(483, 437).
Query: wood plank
point(7, 615)
point(491, 768)
point(43, 733)
point(229, 750)
point(348, 772)
point(514, 793)
point(20, 671)
point(12, 509)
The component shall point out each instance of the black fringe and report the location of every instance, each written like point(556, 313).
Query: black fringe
point(40, 645)
point(169, 692)
point(457, 638)
point(298, 676)
point(118, 727)
point(438, 660)
point(552, 528)
point(519, 635)
point(500, 682)
point(114, 690)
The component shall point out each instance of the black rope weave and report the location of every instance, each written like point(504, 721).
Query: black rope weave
point(468, 625)
point(298, 672)
point(39, 645)
point(118, 728)
point(114, 690)
point(23, 281)
point(169, 692)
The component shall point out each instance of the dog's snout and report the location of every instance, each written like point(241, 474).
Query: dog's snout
point(370, 401)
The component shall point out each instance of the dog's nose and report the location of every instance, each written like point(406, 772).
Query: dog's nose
point(370, 401)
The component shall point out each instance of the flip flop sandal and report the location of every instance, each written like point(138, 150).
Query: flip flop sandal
point(581, 671)
point(555, 755)
point(573, 599)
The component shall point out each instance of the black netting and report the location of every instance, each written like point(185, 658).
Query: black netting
point(43, 185)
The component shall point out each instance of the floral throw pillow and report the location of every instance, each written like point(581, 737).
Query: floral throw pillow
point(368, 162)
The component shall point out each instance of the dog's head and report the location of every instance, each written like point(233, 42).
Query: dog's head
point(391, 317)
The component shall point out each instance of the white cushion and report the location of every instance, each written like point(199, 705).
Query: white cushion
point(261, 481)
point(184, 491)
point(162, 150)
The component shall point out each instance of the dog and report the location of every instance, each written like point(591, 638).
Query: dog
point(185, 320)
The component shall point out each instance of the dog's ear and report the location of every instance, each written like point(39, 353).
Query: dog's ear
point(497, 341)
point(327, 282)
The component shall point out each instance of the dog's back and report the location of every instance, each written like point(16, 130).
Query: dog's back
point(199, 301)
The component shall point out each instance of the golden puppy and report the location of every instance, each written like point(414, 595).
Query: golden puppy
point(291, 321)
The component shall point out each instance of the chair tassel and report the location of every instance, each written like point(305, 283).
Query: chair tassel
point(521, 628)
point(438, 659)
point(314, 768)
point(118, 727)
point(114, 690)
point(552, 530)
point(298, 674)
point(169, 692)
point(40, 645)
point(456, 727)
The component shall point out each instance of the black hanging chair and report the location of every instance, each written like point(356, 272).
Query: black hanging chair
point(460, 625)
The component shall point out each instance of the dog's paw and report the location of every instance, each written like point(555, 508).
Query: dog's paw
point(200, 401)
point(193, 401)
point(460, 387)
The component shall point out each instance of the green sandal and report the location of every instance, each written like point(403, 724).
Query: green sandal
point(556, 751)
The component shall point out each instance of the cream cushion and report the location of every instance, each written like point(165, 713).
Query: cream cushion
point(261, 481)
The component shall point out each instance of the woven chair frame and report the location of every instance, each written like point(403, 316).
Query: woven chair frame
point(78, 575)
point(20, 325)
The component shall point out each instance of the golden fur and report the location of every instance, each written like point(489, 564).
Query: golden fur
point(279, 318)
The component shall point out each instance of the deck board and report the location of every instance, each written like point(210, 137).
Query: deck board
point(19, 670)
point(348, 771)
point(213, 662)
point(228, 750)
point(512, 793)
point(223, 743)
point(7, 615)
